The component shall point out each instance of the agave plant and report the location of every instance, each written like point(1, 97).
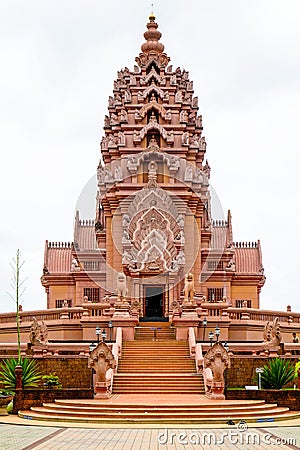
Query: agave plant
point(31, 375)
point(277, 373)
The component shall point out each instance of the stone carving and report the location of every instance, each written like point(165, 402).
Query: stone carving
point(126, 237)
point(123, 116)
point(125, 220)
point(168, 115)
point(118, 173)
point(185, 138)
point(195, 102)
point(112, 141)
point(189, 289)
point(137, 115)
point(217, 360)
point(127, 97)
point(74, 265)
point(106, 122)
point(121, 138)
point(132, 163)
point(199, 176)
point(180, 221)
point(272, 334)
point(178, 96)
point(173, 163)
point(101, 359)
point(114, 119)
point(188, 174)
point(38, 333)
point(122, 290)
point(183, 116)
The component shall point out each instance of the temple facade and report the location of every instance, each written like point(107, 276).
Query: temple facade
point(153, 239)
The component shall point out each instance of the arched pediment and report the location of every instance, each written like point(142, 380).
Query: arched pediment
point(153, 125)
point(153, 105)
point(153, 88)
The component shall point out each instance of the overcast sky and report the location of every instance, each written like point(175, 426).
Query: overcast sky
point(58, 63)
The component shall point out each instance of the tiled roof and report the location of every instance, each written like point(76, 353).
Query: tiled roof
point(85, 235)
point(58, 257)
point(247, 258)
point(219, 235)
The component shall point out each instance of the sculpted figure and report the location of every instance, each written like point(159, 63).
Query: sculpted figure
point(101, 359)
point(122, 290)
point(217, 360)
point(38, 333)
point(272, 334)
point(189, 289)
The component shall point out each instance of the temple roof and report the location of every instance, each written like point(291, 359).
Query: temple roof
point(248, 258)
point(58, 257)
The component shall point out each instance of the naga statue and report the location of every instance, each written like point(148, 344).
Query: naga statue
point(101, 360)
point(217, 360)
point(272, 334)
point(38, 333)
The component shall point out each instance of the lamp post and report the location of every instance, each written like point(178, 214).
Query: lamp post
point(104, 335)
point(217, 332)
point(226, 346)
point(204, 323)
point(98, 334)
point(92, 346)
point(110, 326)
point(210, 337)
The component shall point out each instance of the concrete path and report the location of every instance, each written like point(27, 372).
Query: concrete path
point(17, 434)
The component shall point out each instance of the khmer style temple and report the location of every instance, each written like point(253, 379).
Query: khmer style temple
point(153, 296)
point(153, 219)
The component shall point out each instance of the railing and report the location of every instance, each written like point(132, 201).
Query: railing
point(263, 315)
point(192, 341)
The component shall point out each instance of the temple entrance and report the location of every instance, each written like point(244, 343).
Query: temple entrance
point(154, 302)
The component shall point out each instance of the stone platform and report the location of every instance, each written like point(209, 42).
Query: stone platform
point(158, 409)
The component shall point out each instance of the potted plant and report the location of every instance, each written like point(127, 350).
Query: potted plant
point(5, 398)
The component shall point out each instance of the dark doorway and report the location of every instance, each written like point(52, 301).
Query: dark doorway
point(154, 302)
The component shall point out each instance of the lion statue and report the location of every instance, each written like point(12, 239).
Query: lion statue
point(189, 289)
point(122, 290)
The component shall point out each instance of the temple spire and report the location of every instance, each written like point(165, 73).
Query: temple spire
point(152, 49)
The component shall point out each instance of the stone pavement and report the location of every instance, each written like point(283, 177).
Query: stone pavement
point(15, 434)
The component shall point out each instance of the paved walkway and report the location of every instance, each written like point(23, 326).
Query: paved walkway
point(17, 434)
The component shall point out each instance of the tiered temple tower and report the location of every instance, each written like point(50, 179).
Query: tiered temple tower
point(153, 218)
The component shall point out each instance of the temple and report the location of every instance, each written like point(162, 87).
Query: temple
point(153, 218)
point(150, 277)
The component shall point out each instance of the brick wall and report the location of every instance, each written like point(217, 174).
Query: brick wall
point(289, 399)
point(242, 371)
point(24, 399)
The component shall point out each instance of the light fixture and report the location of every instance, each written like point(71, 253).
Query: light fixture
point(92, 347)
point(210, 337)
point(98, 333)
point(226, 346)
point(217, 332)
point(104, 335)
point(204, 322)
point(110, 326)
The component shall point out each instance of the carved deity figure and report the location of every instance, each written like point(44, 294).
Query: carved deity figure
point(189, 288)
point(38, 333)
point(101, 359)
point(122, 290)
point(272, 334)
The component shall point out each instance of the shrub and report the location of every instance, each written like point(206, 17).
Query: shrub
point(277, 373)
point(51, 381)
point(31, 375)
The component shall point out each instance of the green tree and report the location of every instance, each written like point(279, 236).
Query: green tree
point(277, 373)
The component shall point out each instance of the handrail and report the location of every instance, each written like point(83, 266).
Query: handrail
point(192, 341)
point(199, 358)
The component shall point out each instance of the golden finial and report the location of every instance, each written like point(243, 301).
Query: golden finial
point(152, 16)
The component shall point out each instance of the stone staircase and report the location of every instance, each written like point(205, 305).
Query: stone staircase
point(157, 367)
point(157, 383)
point(157, 409)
